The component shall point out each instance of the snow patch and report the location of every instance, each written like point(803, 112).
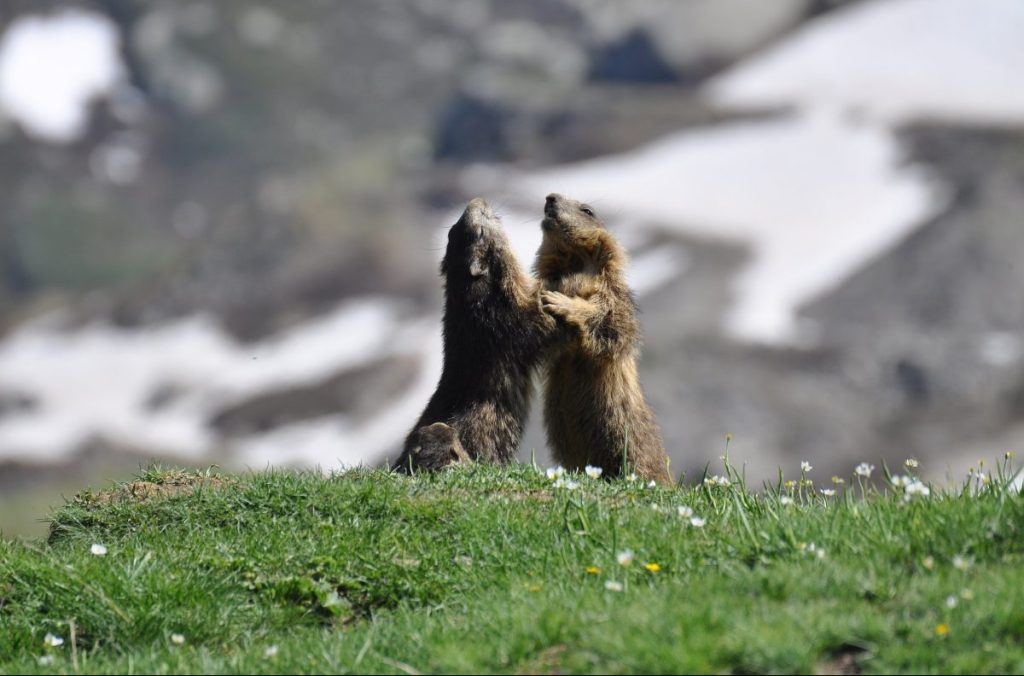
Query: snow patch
point(51, 69)
point(894, 61)
point(99, 380)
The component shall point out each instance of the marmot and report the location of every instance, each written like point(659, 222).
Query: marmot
point(594, 406)
point(494, 333)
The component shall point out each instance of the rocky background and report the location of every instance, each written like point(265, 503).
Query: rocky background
point(234, 260)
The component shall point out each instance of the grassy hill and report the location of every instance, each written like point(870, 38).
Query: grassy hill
point(503, 570)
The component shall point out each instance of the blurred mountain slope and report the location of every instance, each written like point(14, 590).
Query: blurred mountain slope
point(264, 164)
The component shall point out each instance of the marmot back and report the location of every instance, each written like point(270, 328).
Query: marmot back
point(594, 409)
point(494, 331)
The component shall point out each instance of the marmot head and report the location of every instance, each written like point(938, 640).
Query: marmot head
point(574, 239)
point(571, 224)
point(474, 243)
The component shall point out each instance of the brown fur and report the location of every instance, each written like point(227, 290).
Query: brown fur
point(494, 334)
point(435, 447)
point(594, 406)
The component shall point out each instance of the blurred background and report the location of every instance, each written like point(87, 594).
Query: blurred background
point(221, 222)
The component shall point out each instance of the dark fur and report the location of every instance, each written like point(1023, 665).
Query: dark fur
point(594, 406)
point(435, 447)
point(494, 332)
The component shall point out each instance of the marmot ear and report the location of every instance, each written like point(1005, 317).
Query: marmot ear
point(477, 268)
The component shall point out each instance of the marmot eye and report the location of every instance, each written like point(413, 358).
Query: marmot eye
point(587, 210)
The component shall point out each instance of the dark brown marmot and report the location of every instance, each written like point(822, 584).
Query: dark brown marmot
point(494, 332)
point(594, 406)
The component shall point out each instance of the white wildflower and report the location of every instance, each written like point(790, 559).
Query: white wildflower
point(827, 492)
point(45, 660)
point(916, 489)
point(812, 550)
point(697, 522)
point(901, 481)
point(593, 472)
point(632, 477)
point(864, 470)
point(271, 651)
point(785, 500)
point(612, 585)
point(717, 481)
point(98, 550)
point(555, 473)
point(961, 563)
point(625, 557)
point(567, 484)
point(652, 483)
point(52, 641)
point(951, 602)
point(684, 511)
point(805, 466)
point(178, 639)
point(911, 463)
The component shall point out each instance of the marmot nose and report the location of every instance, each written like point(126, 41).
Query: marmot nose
point(551, 203)
point(479, 212)
point(479, 204)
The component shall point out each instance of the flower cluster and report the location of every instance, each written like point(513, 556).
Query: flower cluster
point(559, 479)
point(961, 563)
point(567, 484)
point(687, 513)
point(625, 558)
point(911, 486)
point(811, 550)
point(717, 481)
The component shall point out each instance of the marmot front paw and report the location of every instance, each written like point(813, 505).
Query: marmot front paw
point(568, 308)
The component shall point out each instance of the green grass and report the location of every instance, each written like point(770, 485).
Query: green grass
point(486, 570)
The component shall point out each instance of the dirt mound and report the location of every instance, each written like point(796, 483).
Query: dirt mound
point(178, 483)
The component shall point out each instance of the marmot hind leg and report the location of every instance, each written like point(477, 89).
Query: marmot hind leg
point(433, 448)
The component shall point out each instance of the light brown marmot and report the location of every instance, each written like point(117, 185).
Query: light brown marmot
point(494, 334)
point(594, 407)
